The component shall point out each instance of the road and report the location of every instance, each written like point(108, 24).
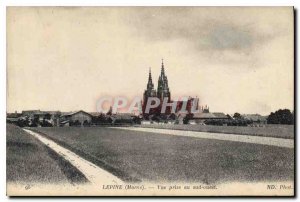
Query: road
point(279, 142)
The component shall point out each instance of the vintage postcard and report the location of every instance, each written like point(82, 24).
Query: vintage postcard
point(150, 101)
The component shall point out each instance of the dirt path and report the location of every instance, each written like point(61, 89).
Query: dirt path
point(93, 173)
point(279, 142)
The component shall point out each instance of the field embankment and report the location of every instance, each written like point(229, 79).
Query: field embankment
point(29, 161)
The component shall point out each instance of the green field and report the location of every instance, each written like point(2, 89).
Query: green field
point(136, 156)
point(280, 131)
point(30, 161)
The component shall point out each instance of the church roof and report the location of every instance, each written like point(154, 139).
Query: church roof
point(220, 115)
point(254, 117)
point(73, 113)
point(217, 115)
point(204, 115)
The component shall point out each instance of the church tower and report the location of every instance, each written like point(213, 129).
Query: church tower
point(163, 87)
point(149, 92)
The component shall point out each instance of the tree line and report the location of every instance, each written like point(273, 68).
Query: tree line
point(281, 116)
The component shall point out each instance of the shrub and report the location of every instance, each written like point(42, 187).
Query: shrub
point(281, 116)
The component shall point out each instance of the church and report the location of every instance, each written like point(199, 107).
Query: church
point(163, 92)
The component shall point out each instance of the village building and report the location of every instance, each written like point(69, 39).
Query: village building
point(122, 118)
point(79, 118)
point(256, 119)
point(31, 113)
point(13, 115)
point(200, 118)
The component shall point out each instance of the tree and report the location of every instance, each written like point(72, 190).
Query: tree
point(101, 119)
point(46, 123)
point(75, 123)
point(187, 118)
point(35, 121)
point(281, 116)
point(228, 116)
point(156, 118)
point(23, 122)
point(172, 116)
point(109, 113)
point(47, 116)
point(137, 120)
point(86, 123)
point(237, 116)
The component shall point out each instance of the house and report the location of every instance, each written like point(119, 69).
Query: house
point(31, 113)
point(95, 114)
point(255, 118)
point(51, 117)
point(76, 118)
point(123, 118)
point(220, 115)
point(13, 115)
point(200, 118)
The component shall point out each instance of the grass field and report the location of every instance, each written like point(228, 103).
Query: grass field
point(29, 161)
point(280, 131)
point(135, 156)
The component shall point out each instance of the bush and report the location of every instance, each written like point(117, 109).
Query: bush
point(23, 123)
point(238, 122)
point(282, 116)
point(214, 122)
point(46, 123)
point(137, 120)
point(86, 123)
point(75, 123)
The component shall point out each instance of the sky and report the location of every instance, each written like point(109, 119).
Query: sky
point(235, 59)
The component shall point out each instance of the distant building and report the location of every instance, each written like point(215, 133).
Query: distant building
point(13, 115)
point(77, 118)
point(51, 117)
point(95, 114)
point(202, 117)
point(122, 118)
point(255, 118)
point(31, 113)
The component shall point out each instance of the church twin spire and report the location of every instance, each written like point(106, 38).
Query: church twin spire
point(162, 81)
point(162, 87)
point(150, 85)
point(161, 93)
point(162, 67)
